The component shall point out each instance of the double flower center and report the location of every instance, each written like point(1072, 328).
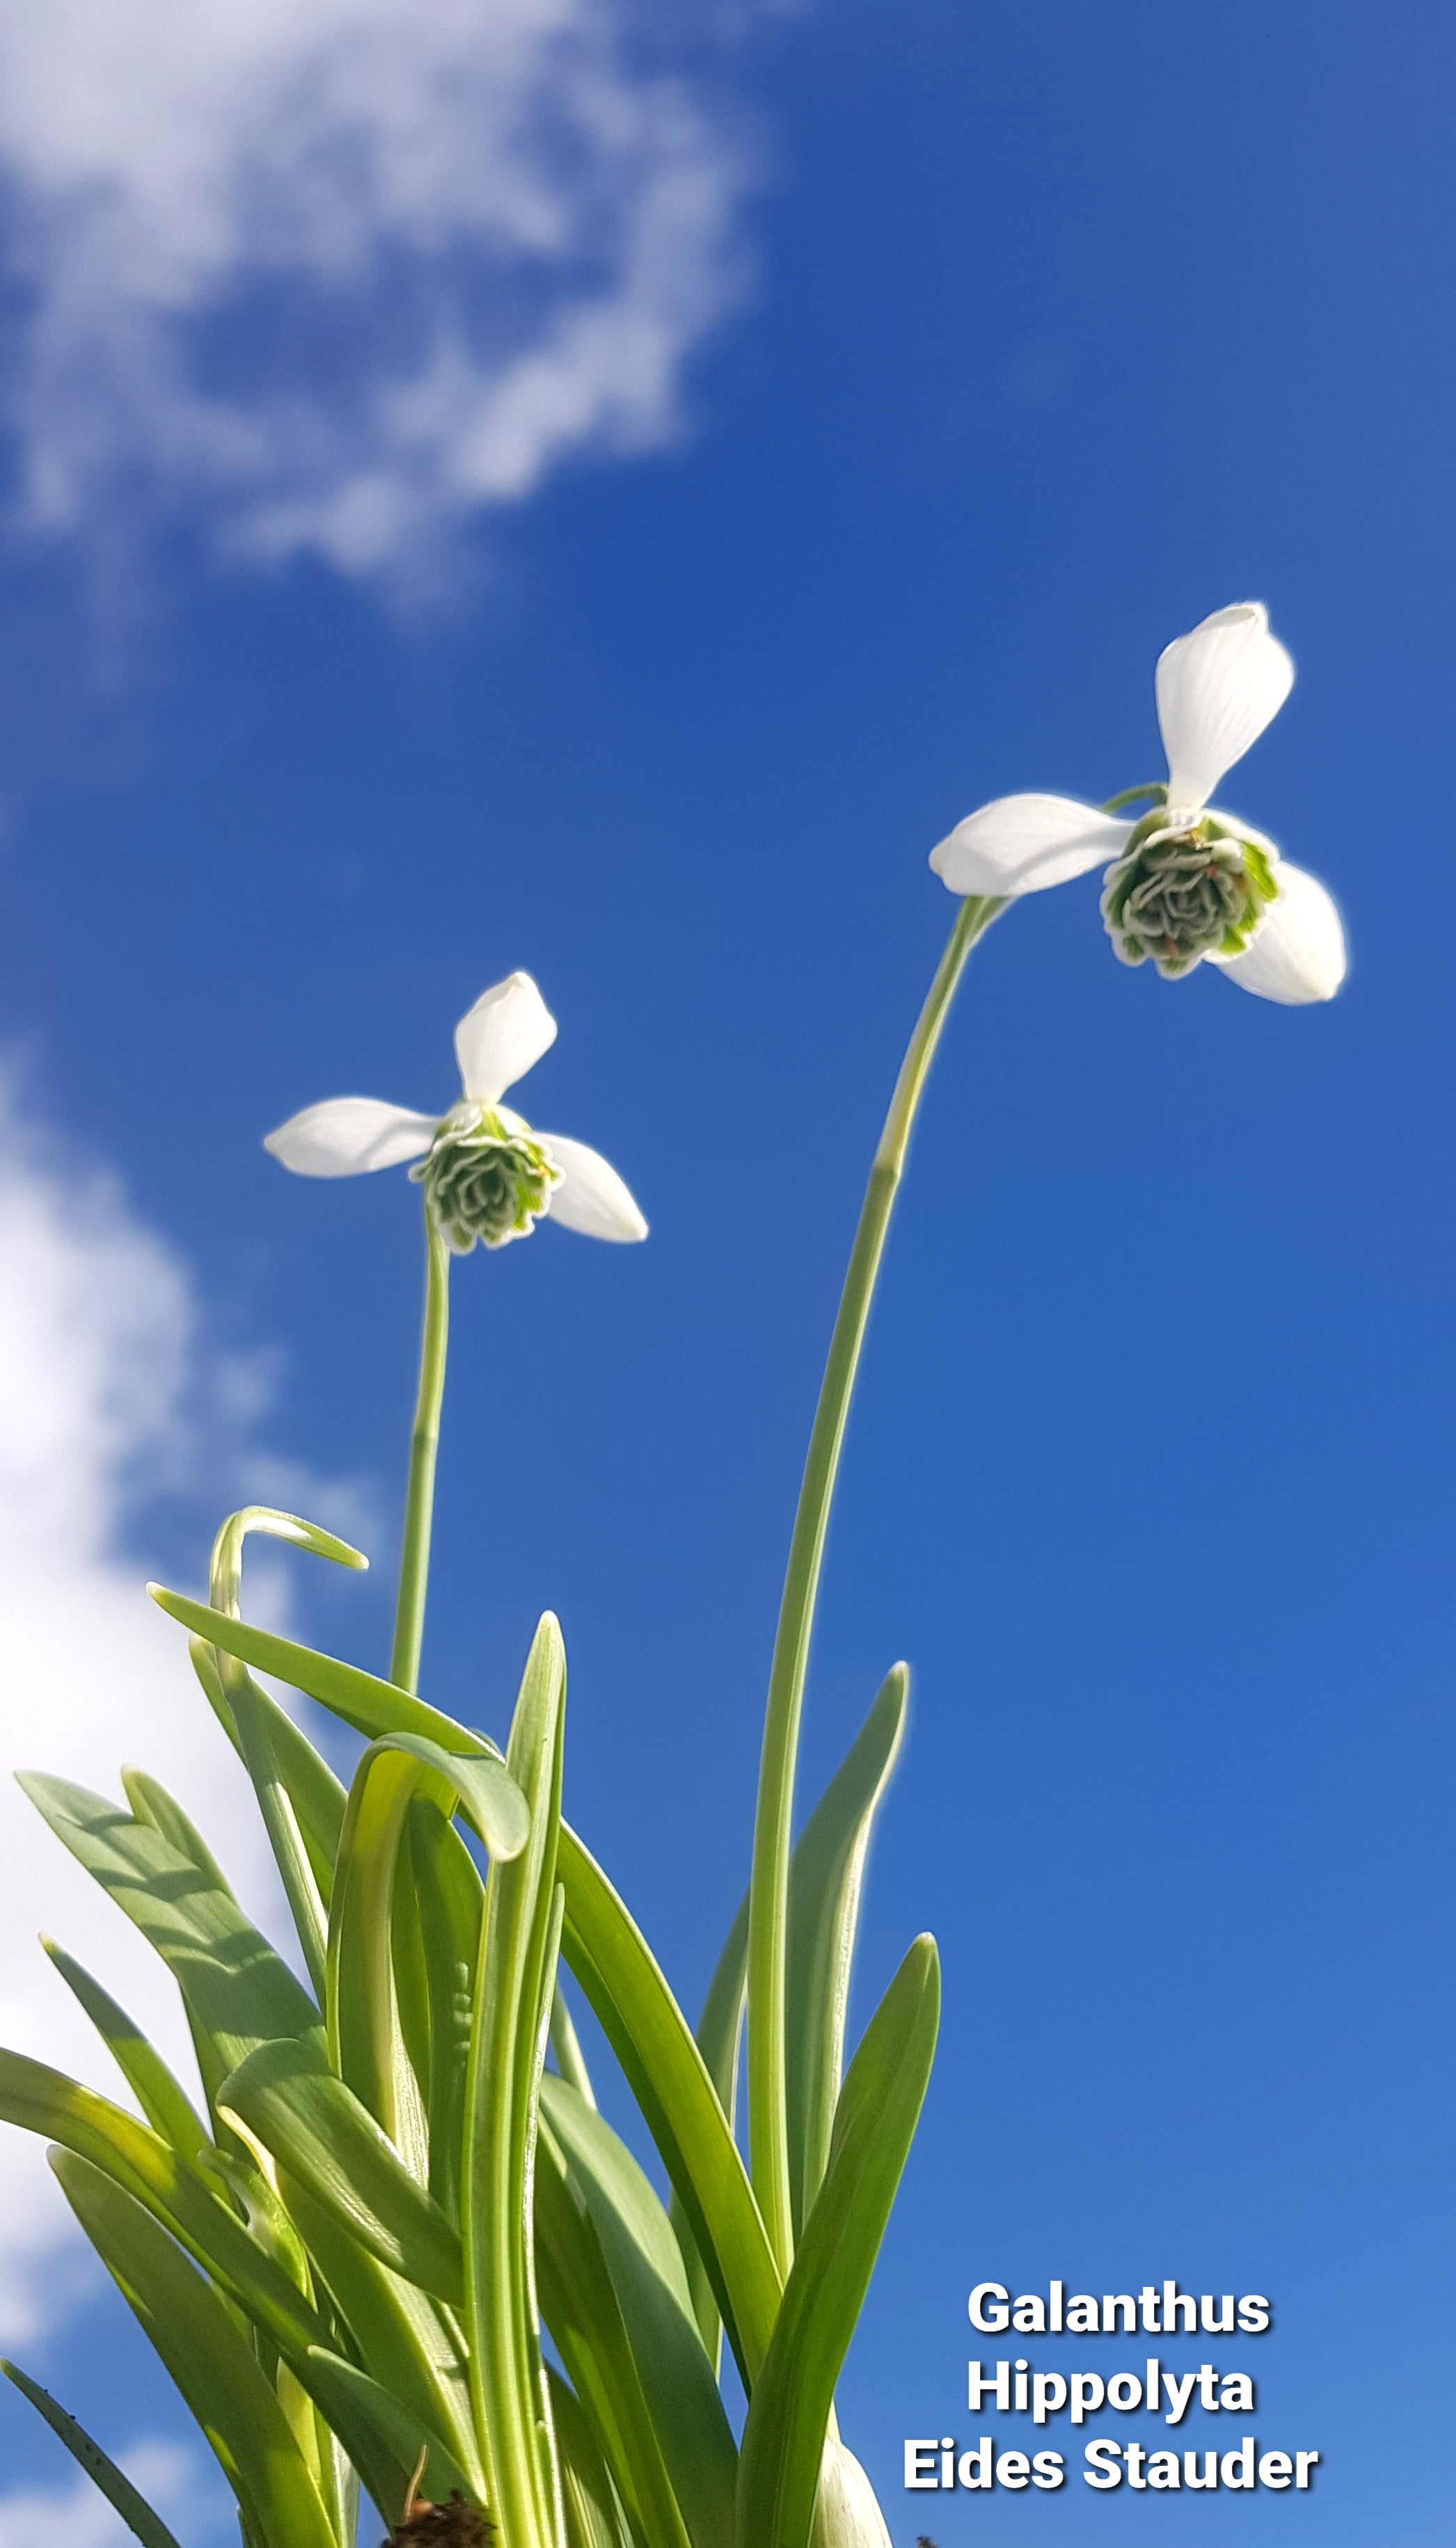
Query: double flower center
point(485, 1178)
point(1183, 888)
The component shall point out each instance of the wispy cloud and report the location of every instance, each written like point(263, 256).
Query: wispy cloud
point(103, 1362)
point(77, 2517)
point(334, 275)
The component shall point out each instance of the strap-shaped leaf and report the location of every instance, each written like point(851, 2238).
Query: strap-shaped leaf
point(582, 2311)
point(593, 2517)
point(315, 1794)
point(120, 2493)
point(719, 2031)
point(878, 2108)
point(645, 2263)
point(315, 2127)
point(151, 1803)
point(162, 2098)
point(383, 2439)
point(508, 2044)
point(671, 2081)
point(372, 1706)
point(143, 2166)
point(450, 1902)
point(240, 1992)
point(251, 1717)
point(211, 2362)
point(825, 1879)
point(404, 2340)
point(364, 2036)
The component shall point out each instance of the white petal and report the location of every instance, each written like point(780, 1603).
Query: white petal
point(1299, 954)
point(590, 1197)
point(496, 1042)
point(1216, 690)
point(348, 1137)
point(1021, 844)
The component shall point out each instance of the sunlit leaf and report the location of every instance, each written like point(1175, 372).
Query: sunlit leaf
point(507, 2042)
point(878, 2108)
point(315, 2127)
point(670, 2079)
point(645, 2264)
point(825, 1878)
point(211, 2362)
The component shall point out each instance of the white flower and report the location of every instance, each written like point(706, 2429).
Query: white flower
point(487, 1175)
point(1185, 883)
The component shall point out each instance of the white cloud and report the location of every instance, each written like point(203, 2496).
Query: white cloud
point(103, 1364)
point(339, 273)
point(77, 2517)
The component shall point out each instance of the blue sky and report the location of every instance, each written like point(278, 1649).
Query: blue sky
point(943, 364)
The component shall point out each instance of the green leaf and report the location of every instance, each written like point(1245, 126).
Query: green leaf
point(250, 1719)
point(671, 2081)
point(403, 2339)
point(645, 2263)
point(593, 2517)
point(151, 1804)
point(314, 1794)
point(719, 2030)
point(449, 1902)
point(582, 2311)
point(120, 2493)
point(508, 2044)
point(225, 1572)
point(365, 2043)
point(878, 2108)
point(825, 1878)
point(162, 2099)
point(285, 1835)
point(315, 2127)
point(238, 1989)
point(571, 2060)
point(383, 2439)
point(372, 1706)
point(148, 2169)
point(211, 2364)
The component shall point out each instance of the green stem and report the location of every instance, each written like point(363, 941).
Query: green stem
point(424, 1443)
point(768, 1893)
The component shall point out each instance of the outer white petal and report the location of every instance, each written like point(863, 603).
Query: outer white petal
point(1299, 954)
point(1216, 690)
point(496, 1042)
point(1022, 844)
point(348, 1137)
point(590, 1197)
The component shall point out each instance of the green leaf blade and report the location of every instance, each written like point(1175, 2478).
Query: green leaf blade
point(645, 2263)
point(825, 1878)
point(317, 2128)
point(878, 2109)
point(124, 2498)
point(211, 2362)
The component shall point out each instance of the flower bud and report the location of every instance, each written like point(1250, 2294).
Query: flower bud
point(486, 1177)
point(846, 2513)
point(1183, 888)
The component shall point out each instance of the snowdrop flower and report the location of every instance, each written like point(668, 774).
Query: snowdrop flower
point(486, 1175)
point(1185, 884)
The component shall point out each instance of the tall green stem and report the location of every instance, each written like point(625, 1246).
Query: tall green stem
point(424, 1443)
point(773, 1829)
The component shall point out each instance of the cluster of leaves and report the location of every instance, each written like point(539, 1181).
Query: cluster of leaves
point(347, 2265)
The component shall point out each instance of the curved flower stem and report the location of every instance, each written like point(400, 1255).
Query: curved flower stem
point(424, 1443)
point(768, 1893)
